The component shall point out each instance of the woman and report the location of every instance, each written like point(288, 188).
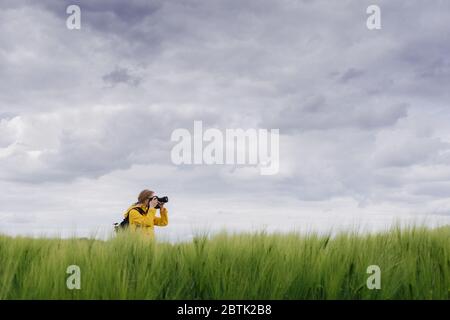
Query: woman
point(142, 215)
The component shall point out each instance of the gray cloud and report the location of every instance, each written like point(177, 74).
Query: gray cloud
point(316, 113)
point(351, 74)
point(121, 75)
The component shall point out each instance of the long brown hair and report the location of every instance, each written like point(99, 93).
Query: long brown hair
point(144, 195)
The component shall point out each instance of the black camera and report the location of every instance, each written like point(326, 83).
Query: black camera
point(162, 199)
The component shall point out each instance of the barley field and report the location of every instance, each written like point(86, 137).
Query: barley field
point(414, 263)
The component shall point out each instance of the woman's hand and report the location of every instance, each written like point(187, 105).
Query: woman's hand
point(161, 205)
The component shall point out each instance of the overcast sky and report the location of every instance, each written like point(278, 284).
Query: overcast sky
point(86, 115)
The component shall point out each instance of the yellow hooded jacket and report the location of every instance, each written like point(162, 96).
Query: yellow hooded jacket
point(146, 222)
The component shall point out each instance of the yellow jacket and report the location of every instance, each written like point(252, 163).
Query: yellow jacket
point(145, 222)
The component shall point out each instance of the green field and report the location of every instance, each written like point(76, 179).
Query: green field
point(414, 263)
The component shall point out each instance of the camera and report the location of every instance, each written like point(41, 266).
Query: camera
point(162, 199)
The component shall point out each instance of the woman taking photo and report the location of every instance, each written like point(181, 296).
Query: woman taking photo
point(142, 215)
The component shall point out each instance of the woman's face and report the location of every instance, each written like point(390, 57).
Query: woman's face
point(153, 201)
